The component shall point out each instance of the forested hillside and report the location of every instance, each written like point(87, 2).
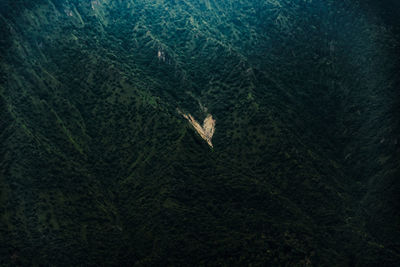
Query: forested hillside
point(99, 167)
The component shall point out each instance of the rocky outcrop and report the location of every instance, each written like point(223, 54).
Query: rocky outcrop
point(207, 130)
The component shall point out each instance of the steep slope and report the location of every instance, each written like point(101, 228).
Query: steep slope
point(99, 168)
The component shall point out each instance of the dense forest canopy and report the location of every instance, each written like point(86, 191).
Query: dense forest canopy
point(101, 164)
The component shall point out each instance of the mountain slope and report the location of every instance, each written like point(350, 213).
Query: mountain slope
point(98, 167)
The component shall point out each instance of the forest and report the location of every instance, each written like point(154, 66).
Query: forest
point(98, 167)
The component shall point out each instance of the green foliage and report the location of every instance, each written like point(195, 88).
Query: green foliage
point(97, 167)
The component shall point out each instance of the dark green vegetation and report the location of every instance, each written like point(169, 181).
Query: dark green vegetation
point(97, 167)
